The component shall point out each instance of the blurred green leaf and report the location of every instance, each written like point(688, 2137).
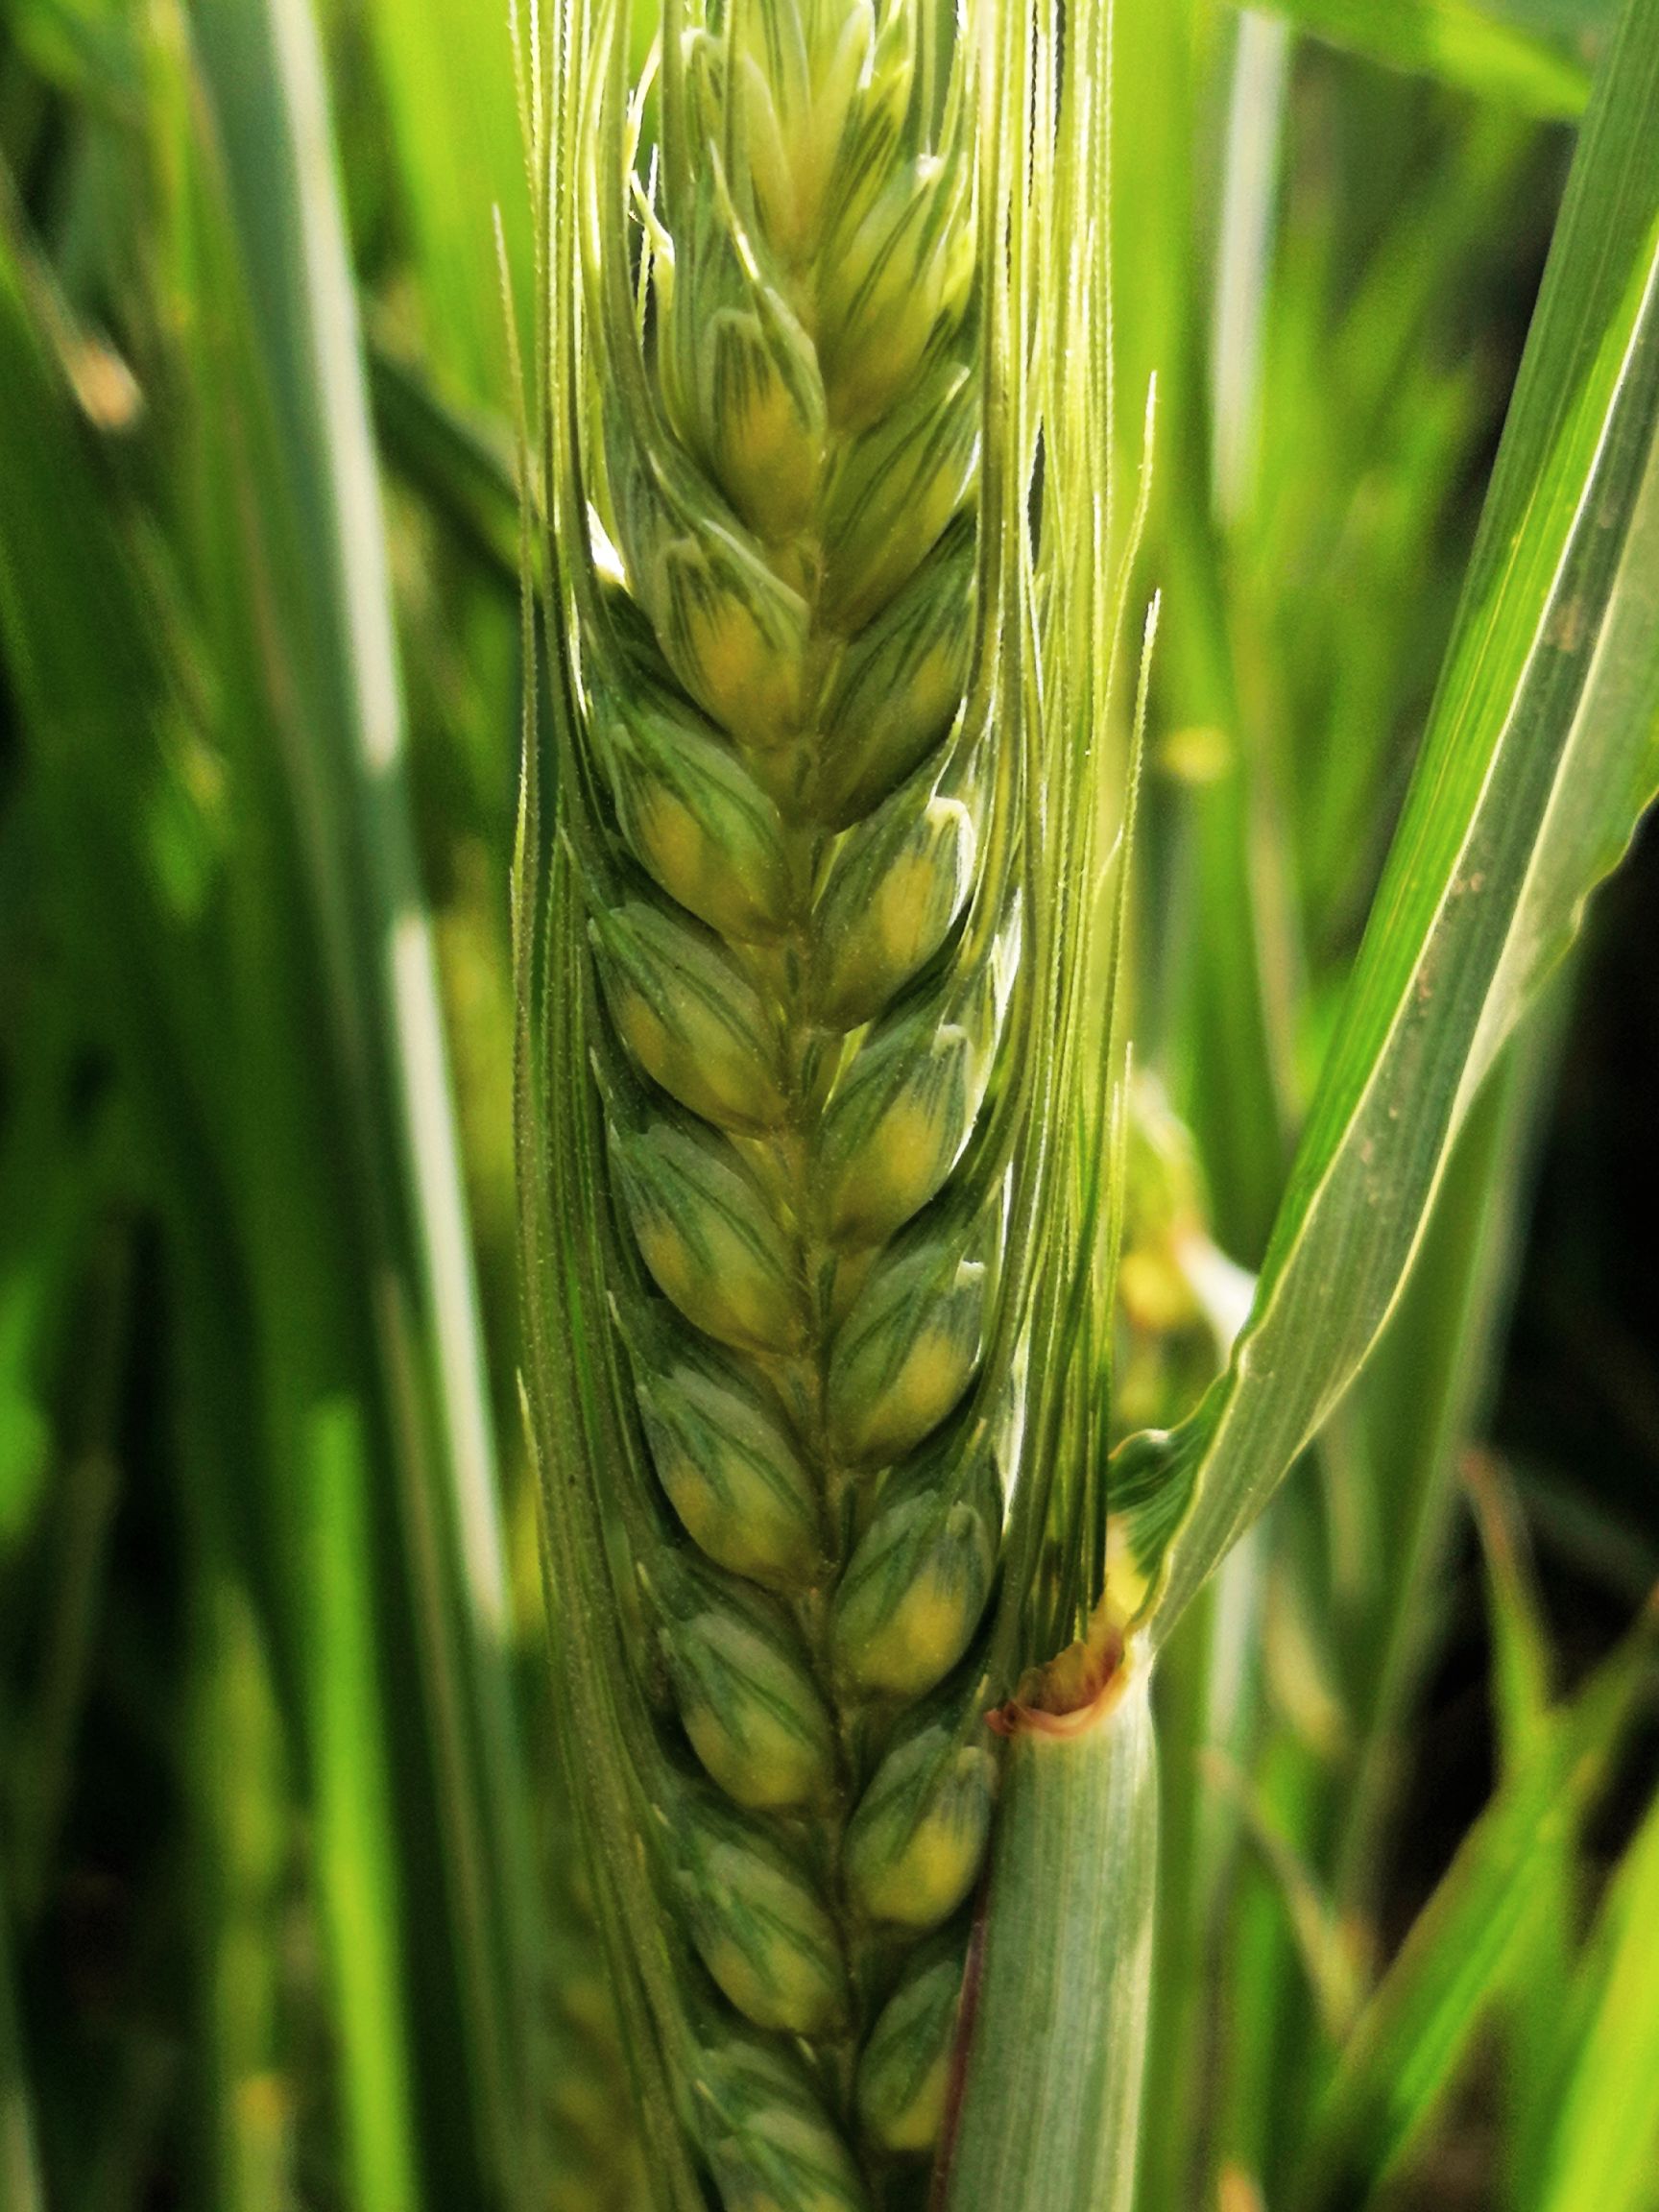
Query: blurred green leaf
point(1414, 2034)
point(355, 1817)
point(88, 46)
point(448, 69)
point(88, 650)
point(336, 708)
point(1520, 1638)
point(1378, 405)
point(25, 1440)
point(1211, 1016)
point(1459, 40)
point(460, 462)
point(1608, 1547)
point(239, 1758)
point(103, 720)
point(1604, 2150)
point(1540, 1964)
point(1587, 22)
point(1421, 1400)
point(294, 1235)
point(1324, 1943)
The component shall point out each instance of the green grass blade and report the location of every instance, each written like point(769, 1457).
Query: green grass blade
point(1418, 2030)
point(266, 74)
point(460, 462)
point(1544, 1948)
point(100, 717)
point(1250, 196)
point(87, 657)
point(1265, 2078)
point(1420, 1403)
point(1365, 381)
point(1542, 748)
point(1208, 1699)
point(1521, 1665)
point(354, 1819)
point(1605, 2148)
point(1457, 40)
point(1213, 1015)
point(242, 1806)
point(446, 67)
point(349, 793)
point(1324, 1942)
point(86, 46)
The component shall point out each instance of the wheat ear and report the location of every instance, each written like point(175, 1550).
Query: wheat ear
point(798, 977)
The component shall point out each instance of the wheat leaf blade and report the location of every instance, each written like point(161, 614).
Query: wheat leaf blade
point(1417, 2029)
